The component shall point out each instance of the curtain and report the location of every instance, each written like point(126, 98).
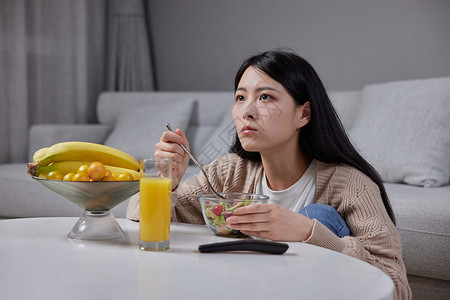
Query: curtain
point(56, 56)
point(129, 65)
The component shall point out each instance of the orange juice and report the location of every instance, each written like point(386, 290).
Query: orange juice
point(154, 224)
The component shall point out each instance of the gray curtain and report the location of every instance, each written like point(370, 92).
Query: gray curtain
point(129, 66)
point(56, 56)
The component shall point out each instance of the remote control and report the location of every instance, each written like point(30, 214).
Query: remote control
point(245, 245)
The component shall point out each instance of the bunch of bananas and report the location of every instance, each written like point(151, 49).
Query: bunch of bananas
point(81, 161)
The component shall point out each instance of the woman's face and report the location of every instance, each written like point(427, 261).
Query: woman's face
point(265, 115)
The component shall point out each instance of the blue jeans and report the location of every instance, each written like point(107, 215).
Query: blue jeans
point(328, 216)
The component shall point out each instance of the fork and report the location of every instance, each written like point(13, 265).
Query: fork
point(198, 165)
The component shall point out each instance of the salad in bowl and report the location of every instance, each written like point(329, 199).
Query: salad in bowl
point(216, 210)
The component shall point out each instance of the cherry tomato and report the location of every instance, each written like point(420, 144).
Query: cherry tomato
point(55, 175)
point(217, 210)
point(96, 171)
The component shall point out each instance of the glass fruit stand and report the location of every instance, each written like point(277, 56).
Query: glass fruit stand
point(97, 198)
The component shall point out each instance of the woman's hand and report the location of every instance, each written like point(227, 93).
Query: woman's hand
point(272, 222)
point(168, 147)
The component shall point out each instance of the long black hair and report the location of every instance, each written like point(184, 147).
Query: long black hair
point(324, 137)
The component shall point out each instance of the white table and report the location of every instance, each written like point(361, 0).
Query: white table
point(38, 261)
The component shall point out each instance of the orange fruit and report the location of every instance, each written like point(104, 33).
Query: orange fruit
point(83, 168)
point(81, 176)
point(108, 178)
point(55, 175)
point(68, 177)
point(96, 171)
point(124, 176)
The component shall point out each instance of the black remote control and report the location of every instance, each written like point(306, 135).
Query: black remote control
point(245, 245)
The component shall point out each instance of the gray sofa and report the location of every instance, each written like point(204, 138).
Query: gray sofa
point(423, 214)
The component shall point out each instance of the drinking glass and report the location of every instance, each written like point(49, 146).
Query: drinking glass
point(155, 204)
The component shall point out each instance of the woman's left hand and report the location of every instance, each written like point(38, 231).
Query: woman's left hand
point(271, 221)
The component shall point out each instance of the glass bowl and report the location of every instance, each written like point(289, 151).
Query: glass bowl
point(216, 210)
point(96, 198)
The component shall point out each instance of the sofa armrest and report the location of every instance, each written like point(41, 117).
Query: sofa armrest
point(45, 135)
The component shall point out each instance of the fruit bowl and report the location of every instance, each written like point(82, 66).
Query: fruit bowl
point(97, 198)
point(217, 210)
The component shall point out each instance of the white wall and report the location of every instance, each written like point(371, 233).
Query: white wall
point(199, 44)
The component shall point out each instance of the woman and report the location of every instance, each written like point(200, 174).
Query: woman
point(291, 146)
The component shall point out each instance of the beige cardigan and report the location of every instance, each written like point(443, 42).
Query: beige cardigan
point(354, 195)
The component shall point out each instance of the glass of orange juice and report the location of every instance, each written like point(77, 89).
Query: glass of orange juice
point(155, 189)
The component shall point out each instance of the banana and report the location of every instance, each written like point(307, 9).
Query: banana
point(83, 151)
point(117, 170)
point(72, 166)
point(40, 153)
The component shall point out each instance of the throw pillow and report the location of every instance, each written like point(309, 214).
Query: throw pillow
point(138, 130)
point(402, 129)
point(220, 141)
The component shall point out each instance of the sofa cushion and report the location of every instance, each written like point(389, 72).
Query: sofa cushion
point(207, 110)
point(219, 143)
point(346, 104)
point(139, 129)
point(402, 130)
point(424, 225)
point(45, 135)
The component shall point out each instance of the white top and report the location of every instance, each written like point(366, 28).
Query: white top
point(295, 197)
point(38, 261)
